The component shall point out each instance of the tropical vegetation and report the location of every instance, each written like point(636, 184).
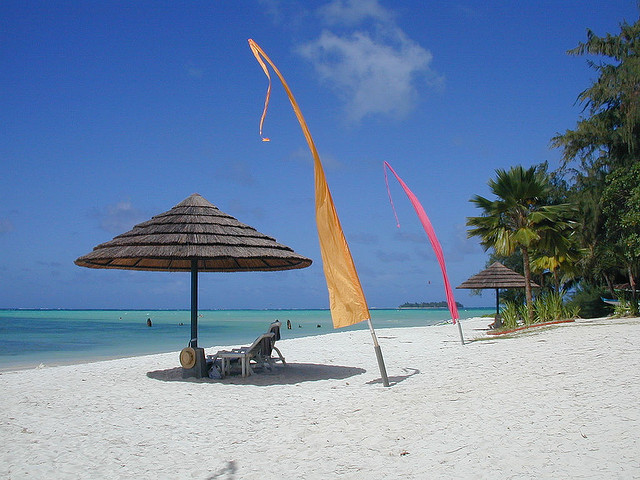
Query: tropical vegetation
point(548, 307)
point(576, 230)
point(522, 219)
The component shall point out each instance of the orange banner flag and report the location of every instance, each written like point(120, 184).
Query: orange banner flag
point(346, 298)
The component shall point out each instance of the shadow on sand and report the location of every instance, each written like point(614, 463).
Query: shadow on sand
point(394, 380)
point(288, 374)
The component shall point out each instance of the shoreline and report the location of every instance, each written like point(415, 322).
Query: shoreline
point(83, 361)
point(55, 337)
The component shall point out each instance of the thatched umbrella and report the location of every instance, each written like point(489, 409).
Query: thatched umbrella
point(495, 276)
point(193, 236)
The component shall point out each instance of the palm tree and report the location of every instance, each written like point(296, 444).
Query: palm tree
point(558, 253)
point(519, 218)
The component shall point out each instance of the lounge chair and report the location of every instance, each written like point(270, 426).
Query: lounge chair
point(263, 356)
point(275, 329)
point(243, 355)
point(259, 351)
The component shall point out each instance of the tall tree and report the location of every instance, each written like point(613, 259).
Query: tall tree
point(606, 143)
point(609, 136)
point(518, 219)
point(621, 204)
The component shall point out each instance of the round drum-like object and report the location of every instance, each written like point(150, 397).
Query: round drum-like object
point(187, 357)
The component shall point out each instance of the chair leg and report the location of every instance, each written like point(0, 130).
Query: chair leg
point(280, 355)
point(268, 363)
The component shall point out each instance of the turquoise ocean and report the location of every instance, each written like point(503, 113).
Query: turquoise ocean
point(29, 338)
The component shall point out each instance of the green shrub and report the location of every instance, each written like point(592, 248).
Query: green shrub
point(550, 307)
point(626, 308)
point(547, 307)
point(510, 315)
point(573, 311)
point(524, 313)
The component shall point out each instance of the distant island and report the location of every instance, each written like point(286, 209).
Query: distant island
point(428, 305)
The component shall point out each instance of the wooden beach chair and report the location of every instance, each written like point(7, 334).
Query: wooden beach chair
point(275, 329)
point(264, 355)
point(244, 355)
point(260, 352)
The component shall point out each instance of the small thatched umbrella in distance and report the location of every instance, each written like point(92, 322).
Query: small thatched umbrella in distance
point(193, 236)
point(495, 276)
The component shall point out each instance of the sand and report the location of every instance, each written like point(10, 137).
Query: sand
point(553, 402)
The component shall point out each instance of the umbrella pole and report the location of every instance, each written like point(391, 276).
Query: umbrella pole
point(378, 350)
point(194, 303)
point(497, 301)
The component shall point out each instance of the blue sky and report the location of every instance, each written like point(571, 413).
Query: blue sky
point(113, 112)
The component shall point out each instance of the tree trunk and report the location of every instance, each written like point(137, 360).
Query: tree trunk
point(527, 283)
point(610, 285)
point(634, 296)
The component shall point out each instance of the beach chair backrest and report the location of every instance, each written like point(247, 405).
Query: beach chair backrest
point(268, 339)
point(275, 329)
point(263, 344)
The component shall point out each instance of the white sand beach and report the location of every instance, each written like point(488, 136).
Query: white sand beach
point(552, 402)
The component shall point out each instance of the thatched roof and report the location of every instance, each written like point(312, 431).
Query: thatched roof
point(193, 229)
point(496, 276)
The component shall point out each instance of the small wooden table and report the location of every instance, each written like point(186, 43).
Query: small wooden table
point(226, 357)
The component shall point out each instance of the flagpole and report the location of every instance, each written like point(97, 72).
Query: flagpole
point(333, 246)
point(378, 350)
point(460, 330)
point(431, 234)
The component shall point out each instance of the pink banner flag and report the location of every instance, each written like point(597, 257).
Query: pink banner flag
point(426, 224)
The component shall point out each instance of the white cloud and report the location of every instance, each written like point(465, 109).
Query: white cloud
point(353, 12)
point(376, 69)
point(285, 14)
